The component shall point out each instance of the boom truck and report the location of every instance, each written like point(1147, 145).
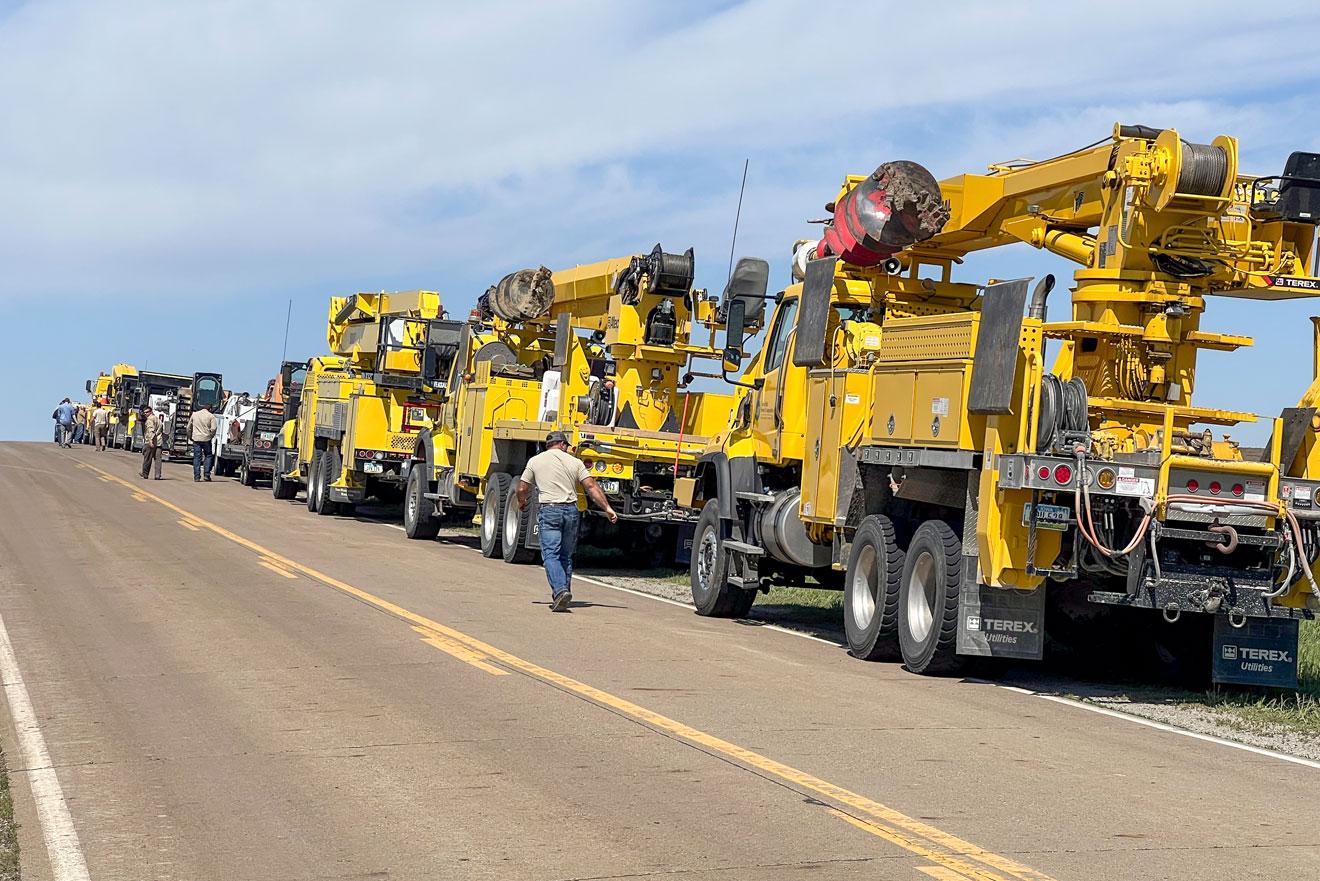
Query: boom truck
point(901, 436)
point(601, 351)
point(359, 409)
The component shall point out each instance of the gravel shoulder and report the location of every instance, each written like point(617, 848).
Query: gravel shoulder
point(1284, 723)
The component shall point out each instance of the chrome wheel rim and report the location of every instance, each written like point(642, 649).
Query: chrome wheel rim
point(410, 503)
point(863, 592)
point(488, 524)
point(707, 552)
point(921, 597)
point(511, 523)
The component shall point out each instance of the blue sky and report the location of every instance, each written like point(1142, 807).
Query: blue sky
point(172, 174)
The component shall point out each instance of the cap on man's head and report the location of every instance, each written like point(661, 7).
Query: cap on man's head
point(556, 437)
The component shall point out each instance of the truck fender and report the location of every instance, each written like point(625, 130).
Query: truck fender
point(425, 452)
point(731, 476)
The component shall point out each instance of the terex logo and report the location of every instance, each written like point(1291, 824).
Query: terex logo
point(1001, 625)
point(1288, 281)
point(1246, 653)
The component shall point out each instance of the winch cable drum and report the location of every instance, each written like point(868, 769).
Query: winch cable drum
point(669, 275)
point(1203, 171)
point(1063, 410)
point(520, 296)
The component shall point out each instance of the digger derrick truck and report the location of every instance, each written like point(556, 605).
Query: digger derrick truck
point(360, 409)
point(601, 351)
point(905, 439)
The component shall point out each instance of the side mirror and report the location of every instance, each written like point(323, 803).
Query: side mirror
point(735, 326)
point(731, 360)
point(89, 385)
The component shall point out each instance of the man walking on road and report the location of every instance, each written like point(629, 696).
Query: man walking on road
point(556, 474)
point(201, 430)
point(153, 438)
point(100, 424)
point(63, 416)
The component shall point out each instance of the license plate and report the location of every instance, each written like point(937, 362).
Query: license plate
point(1054, 517)
point(373, 467)
point(608, 485)
point(268, 435)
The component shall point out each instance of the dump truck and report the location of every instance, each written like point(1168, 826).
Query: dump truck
point(360, 409)
point(903, 437)
point(602, 351)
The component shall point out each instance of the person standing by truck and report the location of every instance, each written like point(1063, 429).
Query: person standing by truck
point(101, 424)
point(153, 438)
point(201, 430)
point(63, 416)
point(556, 473)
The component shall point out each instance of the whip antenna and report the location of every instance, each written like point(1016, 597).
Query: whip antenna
point(736, 218)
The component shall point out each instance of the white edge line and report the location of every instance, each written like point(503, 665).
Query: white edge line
point(1068, 702)
point(67, 862)
point(1151, 723)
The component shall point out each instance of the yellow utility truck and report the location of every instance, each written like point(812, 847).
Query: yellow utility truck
point(602, 351)
point(904, 437)
point(360, 409)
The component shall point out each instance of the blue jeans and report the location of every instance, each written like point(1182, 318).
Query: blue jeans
point(558, 527)
point(202, 453)
point(79, 431)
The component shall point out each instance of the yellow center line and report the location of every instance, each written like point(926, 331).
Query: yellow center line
point(458, 650)
point(278, 570)
point(188, 524)
point(881, 820)
point(940, 873)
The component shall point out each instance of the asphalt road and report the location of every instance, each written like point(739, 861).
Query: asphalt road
point(230, 687)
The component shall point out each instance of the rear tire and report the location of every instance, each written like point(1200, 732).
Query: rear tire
point(245, 476)
point(330, 470)
point(492, 514)
point(712, 594)
point(281, 488)
point(871, 588)
point(516, 528)
point(314, 479)
point(419, 520)
point(928, 600)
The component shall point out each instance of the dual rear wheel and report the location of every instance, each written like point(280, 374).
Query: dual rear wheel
point(904, 605)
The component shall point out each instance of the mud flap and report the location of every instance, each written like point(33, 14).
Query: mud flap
point(533, 539)
point(683, 537)
point(998, 623)
point(1262, 652)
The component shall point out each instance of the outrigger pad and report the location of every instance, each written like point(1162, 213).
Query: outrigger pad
point(814, 313)
point(1262, 652)
point(1000, 623)
point(995, 363)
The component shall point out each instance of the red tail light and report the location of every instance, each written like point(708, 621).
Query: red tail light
point(1063, 475)
point(1043, 472)
point(1215, 488)
point(1238, 490)
point(1193, 485)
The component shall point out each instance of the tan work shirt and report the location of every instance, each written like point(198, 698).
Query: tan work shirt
point(556, 475)
point(202, 426)
point(100, 417)
point(153, 431)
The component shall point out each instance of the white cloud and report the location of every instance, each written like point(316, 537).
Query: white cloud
point(225, 145)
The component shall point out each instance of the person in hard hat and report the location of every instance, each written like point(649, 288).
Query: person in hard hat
point(153, 439)
point(556, 474)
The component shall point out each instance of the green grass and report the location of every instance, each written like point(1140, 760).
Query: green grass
point(815, 611)
point(8, 828)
